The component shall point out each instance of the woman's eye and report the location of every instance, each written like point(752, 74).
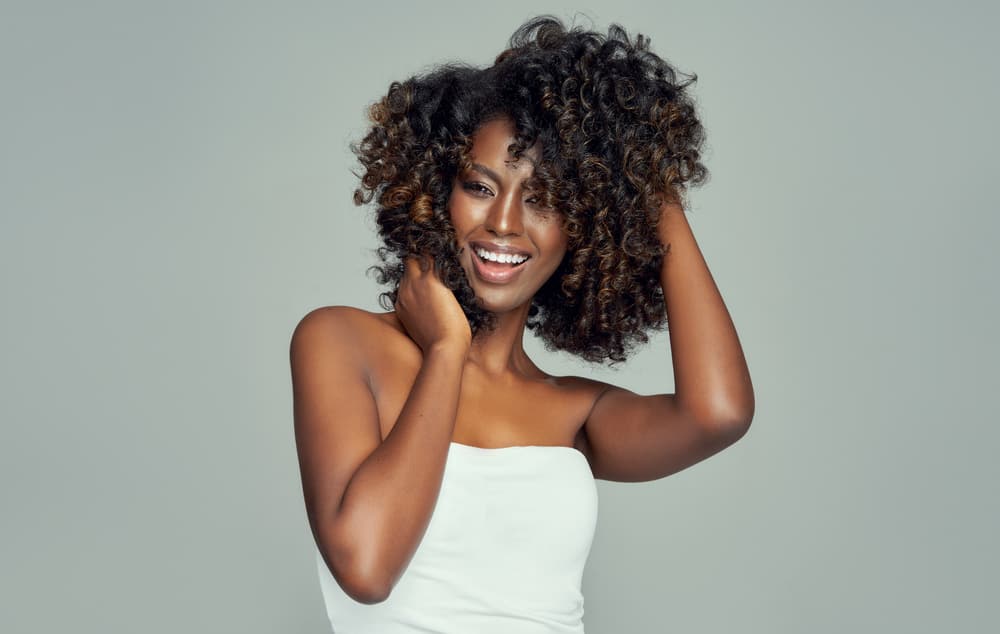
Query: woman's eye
point(477, 188)
point(536, 201)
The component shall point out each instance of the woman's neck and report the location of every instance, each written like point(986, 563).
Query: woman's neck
point(501, 351)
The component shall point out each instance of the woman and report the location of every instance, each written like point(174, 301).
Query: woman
point(449, 481)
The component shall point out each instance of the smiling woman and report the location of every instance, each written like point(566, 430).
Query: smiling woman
point(448, 480)
point(613, 136)
point(508, 244)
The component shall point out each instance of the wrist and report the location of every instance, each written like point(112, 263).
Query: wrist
point(671, 222)
point(449, 349)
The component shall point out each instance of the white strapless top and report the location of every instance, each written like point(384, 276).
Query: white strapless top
point(504, 551)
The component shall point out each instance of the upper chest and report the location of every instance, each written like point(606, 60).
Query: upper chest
point(492, 411)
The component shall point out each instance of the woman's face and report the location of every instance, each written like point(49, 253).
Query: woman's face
point(508, 244)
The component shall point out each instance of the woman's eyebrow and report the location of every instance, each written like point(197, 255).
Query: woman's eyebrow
point(482, 169)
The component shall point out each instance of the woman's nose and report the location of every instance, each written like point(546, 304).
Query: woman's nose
point(505, 215)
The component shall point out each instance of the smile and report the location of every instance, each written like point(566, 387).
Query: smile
point(497, 268)
point(504, 258)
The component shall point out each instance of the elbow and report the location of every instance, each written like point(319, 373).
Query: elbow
point(730, 421)
point(362, 589)
point(722, 417)
point(729, 428)
point(358, 575)
point(732, 429)
point(737, 428)
point(364, 586)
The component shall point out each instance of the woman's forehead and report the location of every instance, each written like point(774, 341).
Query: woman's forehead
point(491, 153)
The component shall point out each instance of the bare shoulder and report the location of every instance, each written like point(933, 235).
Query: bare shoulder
point(342, 319)
point(574, 396)
point(588, 390)
point(344, 327)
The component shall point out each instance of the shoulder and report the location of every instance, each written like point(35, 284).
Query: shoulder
point(577, 395)
point(586, 389)
point(344, 329)
point(346, 321)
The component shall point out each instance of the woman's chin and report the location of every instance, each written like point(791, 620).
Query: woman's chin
point(492, 299)
point(497, 305)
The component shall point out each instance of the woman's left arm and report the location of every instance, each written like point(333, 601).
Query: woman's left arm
point(628, 437)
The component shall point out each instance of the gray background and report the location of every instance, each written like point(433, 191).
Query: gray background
point(176, 193)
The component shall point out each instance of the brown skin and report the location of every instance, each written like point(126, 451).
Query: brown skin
point(493, 203)
point(379, 397)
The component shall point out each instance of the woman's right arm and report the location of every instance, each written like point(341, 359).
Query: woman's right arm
point(369, 501)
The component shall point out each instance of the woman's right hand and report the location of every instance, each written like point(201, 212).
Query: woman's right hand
point(428, 309)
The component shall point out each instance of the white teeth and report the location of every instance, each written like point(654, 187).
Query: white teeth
point(506, 258)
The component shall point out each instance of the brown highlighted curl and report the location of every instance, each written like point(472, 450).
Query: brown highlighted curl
point(619, 137)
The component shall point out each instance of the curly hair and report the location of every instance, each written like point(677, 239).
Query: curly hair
point(619, 137)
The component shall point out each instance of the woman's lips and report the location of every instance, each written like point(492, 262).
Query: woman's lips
point(495, 272)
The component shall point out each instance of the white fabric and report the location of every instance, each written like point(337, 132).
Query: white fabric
point(504, 551)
